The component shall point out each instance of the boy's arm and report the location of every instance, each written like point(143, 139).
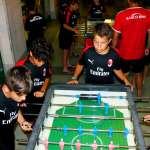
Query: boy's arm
point(43, 88)
point(2, 114)
point(122, 77)
point(26, 126)
point(147, 51)
point(45, 85)
point(20, 117)
point(115, 39)
point(70, 28)
point(148, 44)
point(77, 72)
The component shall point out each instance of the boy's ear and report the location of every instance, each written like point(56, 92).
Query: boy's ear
point(6, 89)
point(110, 40)
point(30, 53)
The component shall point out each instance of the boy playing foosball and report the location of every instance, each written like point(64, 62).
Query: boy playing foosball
point(100, 61)
point(17, 85)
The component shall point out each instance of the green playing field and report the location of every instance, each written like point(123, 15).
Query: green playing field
point(87, 137)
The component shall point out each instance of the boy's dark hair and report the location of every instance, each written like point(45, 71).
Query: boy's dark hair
point(41, 50)
point(72, 2)
point(137, 1)
point(18, 80)
point(103, 29)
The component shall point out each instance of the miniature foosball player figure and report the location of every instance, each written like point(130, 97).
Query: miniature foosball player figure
point(78, 145)
point(45, 142)
point(94, 145)
point(111, 146)
point(61, 144)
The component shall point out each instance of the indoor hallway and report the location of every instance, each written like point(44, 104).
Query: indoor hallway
point(51, 35)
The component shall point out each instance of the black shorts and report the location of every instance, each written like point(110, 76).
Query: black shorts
point(135, 66)
point(65, 39)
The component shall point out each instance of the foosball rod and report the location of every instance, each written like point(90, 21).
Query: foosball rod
point(86, 130)
point(88, 145)
point(90, 106)
point(139, 109)
point(138, 99)
point(84, 106)
point(89, 117)
point(143, 110)
point(82, 117)
point(25, 142)
point(145, 134)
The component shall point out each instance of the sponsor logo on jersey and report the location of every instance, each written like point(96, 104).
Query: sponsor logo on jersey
point(12, 116)
point(3, 111)
point(37, 82)
point(99, 73)
point(136, 16)
point(44, 72)
point(36, 18)
point(109, 62)
point(91, 61)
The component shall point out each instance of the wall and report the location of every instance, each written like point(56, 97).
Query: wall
point(12, 41)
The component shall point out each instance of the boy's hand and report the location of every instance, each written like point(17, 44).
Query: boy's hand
point(23, 105)
point(38, 94)
point(146, 52)
point(26, 126)
point(73, 82)
point(77, 32)
point(129, 85)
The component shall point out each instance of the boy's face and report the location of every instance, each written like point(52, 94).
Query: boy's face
point(75, 6)
point(13, 95)
point(96, 1)
point(36, 61)
point(16, 97)
point(101, 43)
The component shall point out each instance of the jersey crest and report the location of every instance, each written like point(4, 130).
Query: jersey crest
point(109, 62)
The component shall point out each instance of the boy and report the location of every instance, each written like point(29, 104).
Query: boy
point(133, 24)
point(35, 25)
point(101, 61)
point(17, 84)
point(97, 10)
point(67, 31)
point(38, 64)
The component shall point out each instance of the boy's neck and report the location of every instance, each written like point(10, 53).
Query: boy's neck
point(31, 60)
point(104, 51)
point(134, 5)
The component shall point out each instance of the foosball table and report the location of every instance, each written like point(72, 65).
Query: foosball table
point(87, 117)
